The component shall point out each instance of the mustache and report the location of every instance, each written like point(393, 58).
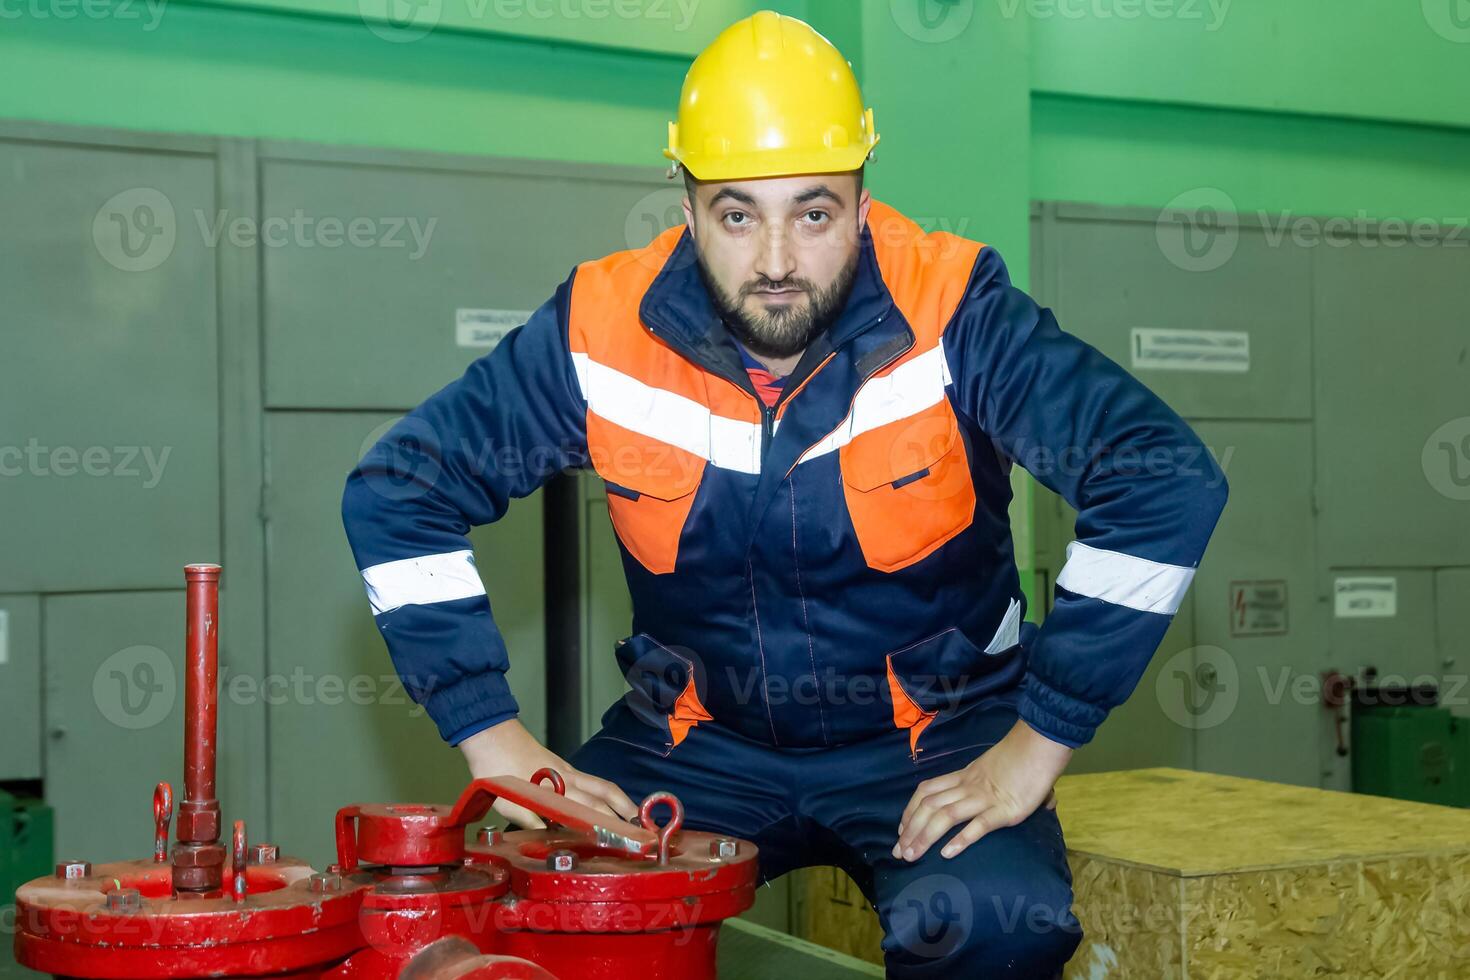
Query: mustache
point(766, 284)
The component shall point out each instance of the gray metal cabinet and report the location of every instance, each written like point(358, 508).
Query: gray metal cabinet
point(1392, 371)
point(1259, 666)
point(372, 322)
point(114, 701)
point(341, 728)
point(20, 686)
point(110, 424)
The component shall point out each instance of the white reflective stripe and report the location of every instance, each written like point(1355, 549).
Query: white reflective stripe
point(1008, 634)
point(421, 581)
point(1148, 586)
point(907, 390)
point(668, 417)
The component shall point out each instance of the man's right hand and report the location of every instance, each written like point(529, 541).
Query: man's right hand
point(507, 749)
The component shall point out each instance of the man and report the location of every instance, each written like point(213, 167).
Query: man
point(805, 410)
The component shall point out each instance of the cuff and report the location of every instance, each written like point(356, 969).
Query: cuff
point(478, 700)
point(480, 726)
point(1058, 716)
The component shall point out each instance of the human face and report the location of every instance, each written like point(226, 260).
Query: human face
point(778, 254)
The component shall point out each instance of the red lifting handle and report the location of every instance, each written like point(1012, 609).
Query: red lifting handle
point(548, 804)
point(163, 811)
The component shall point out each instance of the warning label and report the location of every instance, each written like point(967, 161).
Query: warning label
point(1258, 608)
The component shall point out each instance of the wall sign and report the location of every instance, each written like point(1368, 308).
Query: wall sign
point(1365, 596)
point(1258, 608)
point(486, 328)
point(1227, 351)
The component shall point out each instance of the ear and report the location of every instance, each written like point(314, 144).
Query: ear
point(865, 201)
point(688, 205)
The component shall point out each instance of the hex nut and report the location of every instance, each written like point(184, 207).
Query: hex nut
point(264, 854)
point(127, 901)
point(324, 883)
point(74, 870)
point(723, 848)
point(561, 861)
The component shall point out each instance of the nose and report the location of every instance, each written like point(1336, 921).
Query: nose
point(775, 260)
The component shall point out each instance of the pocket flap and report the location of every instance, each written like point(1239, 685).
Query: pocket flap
point(637, 463)
point(899, 450)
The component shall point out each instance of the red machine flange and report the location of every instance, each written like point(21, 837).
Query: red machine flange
point(590, 896)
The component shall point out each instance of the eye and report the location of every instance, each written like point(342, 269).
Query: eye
point(816, 216)
point(736, 219)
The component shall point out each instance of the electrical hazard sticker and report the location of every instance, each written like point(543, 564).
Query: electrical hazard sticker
point(1258, 608)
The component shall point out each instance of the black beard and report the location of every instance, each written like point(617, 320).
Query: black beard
point(782, 331)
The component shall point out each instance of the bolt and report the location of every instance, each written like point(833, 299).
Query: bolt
point(74, 870)
point(561, 861)
point(127, 901)
point(324, 883)
point(489, 836)
point(264, 853)
point(723, 848)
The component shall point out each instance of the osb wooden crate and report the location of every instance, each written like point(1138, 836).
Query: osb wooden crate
point(1191, 876)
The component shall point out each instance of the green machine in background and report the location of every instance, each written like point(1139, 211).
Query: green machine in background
point(1411, 751)
point(27, 835)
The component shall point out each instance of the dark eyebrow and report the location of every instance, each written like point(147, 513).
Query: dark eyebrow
point(731, 192)
point(805, 197)
point(821, 190)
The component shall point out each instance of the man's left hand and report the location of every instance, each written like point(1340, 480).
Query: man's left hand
point(1004, 786)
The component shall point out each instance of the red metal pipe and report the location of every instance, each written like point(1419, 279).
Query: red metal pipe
point(199, 858)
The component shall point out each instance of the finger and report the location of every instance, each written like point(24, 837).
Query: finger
point(939, 824)
point(612, 794)
point(933, 802)
point(519, 816)
point(1051, 800)
point(973, 831)
point(928, 786)
point(588, 799)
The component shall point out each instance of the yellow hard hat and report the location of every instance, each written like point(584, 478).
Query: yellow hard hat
point(770, 97)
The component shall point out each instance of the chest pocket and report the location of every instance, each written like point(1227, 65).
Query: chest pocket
point(908, 487)
point(650, 490)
